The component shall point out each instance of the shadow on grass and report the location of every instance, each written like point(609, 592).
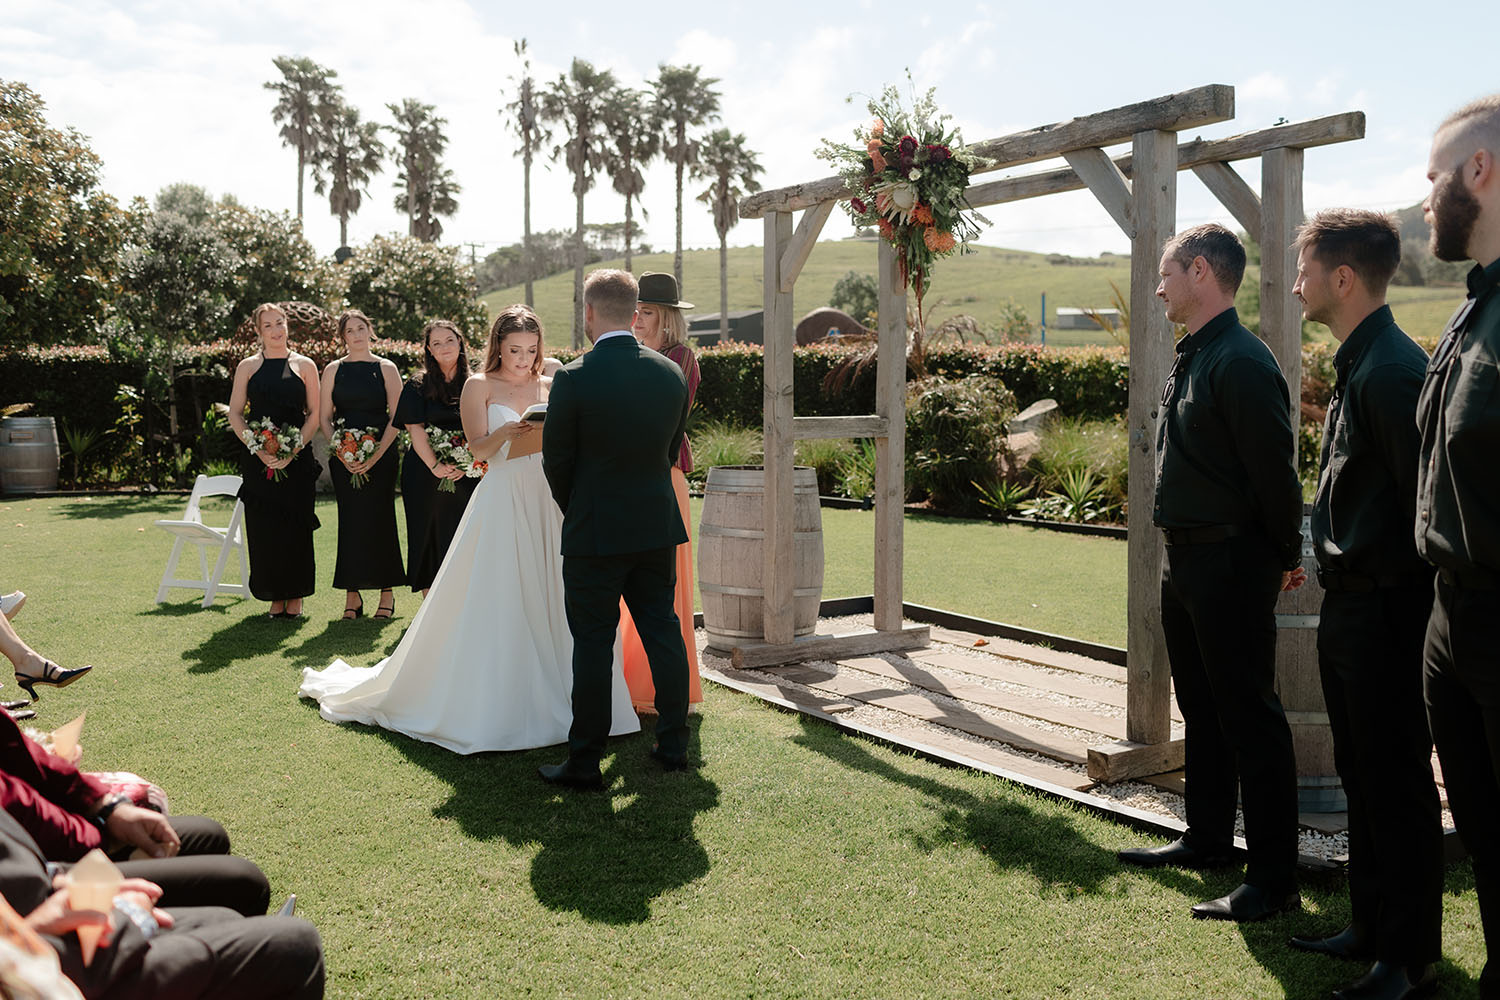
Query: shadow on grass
point(115, 508)
point(247, 637)
point(1005, 829)
point(603, 855)
point(1305, 975)
point(361, 642)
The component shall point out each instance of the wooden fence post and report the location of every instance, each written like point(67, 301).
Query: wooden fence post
point(777, 573)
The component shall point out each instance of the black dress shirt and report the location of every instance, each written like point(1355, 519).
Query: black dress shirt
point(1225, 450)
point(1367, 479)
point(1458, 476)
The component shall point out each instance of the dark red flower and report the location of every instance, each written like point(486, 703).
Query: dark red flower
point(859, 206)
point(938, 153)
point(906, 150)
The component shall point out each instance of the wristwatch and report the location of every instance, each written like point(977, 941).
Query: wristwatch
point(111, 802)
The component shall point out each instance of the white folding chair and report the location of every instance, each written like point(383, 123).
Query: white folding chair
point(220, 541)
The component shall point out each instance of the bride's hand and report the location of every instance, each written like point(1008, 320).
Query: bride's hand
point(517, 428)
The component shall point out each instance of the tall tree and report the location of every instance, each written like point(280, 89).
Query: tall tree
point(526, 121)
point(307, 95)
point(731, 167)
point(576, 102)
point(349, 154)
point(634, 141)
point(60, 233)
point(424, 189)
point(684, 99)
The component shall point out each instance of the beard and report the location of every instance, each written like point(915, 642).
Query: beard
point(1454, 213)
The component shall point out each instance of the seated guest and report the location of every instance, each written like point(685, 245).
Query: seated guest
point(173, 954)
point(68, 813)
point(30, 666)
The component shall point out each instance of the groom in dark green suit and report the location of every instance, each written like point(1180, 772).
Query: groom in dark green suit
point(615, 421)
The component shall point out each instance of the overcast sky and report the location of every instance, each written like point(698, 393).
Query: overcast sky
point(171, 90)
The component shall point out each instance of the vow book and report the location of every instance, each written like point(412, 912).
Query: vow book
point(535, 414)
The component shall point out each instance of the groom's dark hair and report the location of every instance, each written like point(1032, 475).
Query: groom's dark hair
point(613, 295)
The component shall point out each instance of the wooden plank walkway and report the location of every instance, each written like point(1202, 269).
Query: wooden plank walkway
point(986, 702)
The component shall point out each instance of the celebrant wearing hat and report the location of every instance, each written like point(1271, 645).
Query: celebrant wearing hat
point(661, 326)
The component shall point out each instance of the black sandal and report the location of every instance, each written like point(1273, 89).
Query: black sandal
point(358, 612)
point(383, 612)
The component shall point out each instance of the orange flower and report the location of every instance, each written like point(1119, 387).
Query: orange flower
point(922, 214)
point(271, 445)
point(877, 128)
point(939, 241)
point(887, 231)
point(877, 159)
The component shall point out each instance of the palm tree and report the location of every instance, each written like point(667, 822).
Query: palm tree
point(684, 99)
point(634, 141)
point(576, 101)
point(731, 167)
point(307, 95)
point(349, 155)
point(424, 188)
point(533, 133)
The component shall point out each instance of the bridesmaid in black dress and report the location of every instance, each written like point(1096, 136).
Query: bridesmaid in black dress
point(363, 390)
point(429, 402)
point(278, 383)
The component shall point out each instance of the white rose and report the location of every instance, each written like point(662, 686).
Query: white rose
point(915, 175)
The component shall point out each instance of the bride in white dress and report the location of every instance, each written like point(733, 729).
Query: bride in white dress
point(487, 661)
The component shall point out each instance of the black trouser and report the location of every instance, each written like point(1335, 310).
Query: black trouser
point(1218, 603)
point(203, 872)
point(1370, 659)
point(212, 953)
point(1462, 676)
point(594, 586)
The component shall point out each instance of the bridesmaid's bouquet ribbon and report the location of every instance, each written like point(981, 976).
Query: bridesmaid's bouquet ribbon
point(265, 435)
point(354, 445)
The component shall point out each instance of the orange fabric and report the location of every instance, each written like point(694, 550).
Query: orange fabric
point(637, 668)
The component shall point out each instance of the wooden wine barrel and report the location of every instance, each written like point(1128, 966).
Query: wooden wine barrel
point(28, 455)
point(731, 539)
point(1301, 689)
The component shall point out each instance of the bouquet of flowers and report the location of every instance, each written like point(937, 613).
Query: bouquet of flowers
point(264, 435)
point(452, 448)
point(907, 173)
point(354, 445)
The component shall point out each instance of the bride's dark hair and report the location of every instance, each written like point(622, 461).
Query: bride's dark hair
point(513, 319)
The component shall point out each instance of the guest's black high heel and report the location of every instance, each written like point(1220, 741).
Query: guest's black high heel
point(52, 675)
point(357, 611)
point(384, 612)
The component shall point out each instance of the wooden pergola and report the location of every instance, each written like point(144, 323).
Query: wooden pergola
point(1139, 190)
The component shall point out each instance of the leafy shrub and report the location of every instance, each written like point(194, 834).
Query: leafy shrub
point(954, 430)
point(716, 443)
point(1099, 447)
point(827, 458)
point(402, 282)
point(857, 477)
point(858, 295)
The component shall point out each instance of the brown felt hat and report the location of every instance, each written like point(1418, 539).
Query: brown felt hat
point(661, 290)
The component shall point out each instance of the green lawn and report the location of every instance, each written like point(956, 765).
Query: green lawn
point(797, 862)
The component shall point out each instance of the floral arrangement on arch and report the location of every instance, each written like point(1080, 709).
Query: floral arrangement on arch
point(907, 175)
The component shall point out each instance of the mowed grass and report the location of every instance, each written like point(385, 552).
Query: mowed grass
point(796, 862)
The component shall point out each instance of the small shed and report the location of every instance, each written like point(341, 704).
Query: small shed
point(747, 326)
point(1071, 318)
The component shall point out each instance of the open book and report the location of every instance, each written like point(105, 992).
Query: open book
point(531, 443)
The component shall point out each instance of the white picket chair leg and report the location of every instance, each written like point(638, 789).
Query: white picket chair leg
point(170, 572)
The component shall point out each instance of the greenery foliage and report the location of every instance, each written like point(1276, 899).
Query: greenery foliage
point(402, 282)
point(954, 431)
point(858, 295)
point(60, 235)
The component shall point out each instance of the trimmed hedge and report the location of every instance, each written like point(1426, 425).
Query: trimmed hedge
point(78, 384)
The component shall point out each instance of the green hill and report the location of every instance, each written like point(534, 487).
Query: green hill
point(979, 284)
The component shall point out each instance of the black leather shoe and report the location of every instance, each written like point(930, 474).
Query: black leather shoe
point(1349, 943)
point(1247, 903)
point(1177, 854)
point(1391, 981)
point(669, 762)
point(571, 775)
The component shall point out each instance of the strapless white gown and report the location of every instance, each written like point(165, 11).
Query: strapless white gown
point(487, 663)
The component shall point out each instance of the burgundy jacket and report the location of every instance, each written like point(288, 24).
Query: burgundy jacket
point(47, 795)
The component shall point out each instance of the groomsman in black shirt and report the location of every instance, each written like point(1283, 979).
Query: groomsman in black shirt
point(1377, 598)
point(1229, 504)
point(1458, 501)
